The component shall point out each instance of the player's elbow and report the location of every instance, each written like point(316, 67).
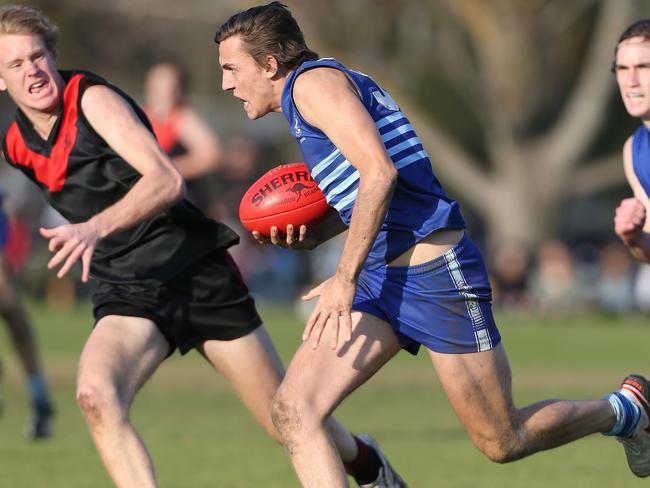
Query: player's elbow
point(175, 187)
point(388, 174)
point(382, 178)
point(387, 177)
point(179, 191)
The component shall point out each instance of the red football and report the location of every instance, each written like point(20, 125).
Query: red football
point(282, 196)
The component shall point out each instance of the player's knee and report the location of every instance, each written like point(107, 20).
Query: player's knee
point(284, 415)
point(291, 415)
point(96, 403)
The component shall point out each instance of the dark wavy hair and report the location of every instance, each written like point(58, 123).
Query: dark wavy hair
point(268, 30)
point(641, 28)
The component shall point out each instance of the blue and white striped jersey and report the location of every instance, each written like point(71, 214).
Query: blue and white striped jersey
point(419, 205)
point(641, 156)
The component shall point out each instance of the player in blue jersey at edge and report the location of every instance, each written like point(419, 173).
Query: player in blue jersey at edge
point(632, 69)
point(408, 274)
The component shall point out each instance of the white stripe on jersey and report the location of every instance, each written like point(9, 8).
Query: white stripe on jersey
point(402, 129)
point(389, 119)
point(325, 182)
point(340, 168)
point(347, 200)
point(342, 187)
point(325, 163)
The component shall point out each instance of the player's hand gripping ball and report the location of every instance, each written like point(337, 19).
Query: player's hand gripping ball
point(282, 196)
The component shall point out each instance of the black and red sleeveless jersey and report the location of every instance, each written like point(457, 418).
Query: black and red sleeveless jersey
point(80, 175)
point(167, 130)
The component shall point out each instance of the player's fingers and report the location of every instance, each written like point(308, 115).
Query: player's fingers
point(260, 238)
point(345, 326)
point(303, 233)
point(310, 324)
point(290, 238)
point(72, 258)
point(62, 254)
point(86, 259)
point(55, 244)
point(47, 232)
point(317, 330)
point(275, 237)
point(335, 330)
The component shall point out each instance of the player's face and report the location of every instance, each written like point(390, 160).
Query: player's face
point(248, 81)
point(28, 72)
point(633, 75)
point(163, 87)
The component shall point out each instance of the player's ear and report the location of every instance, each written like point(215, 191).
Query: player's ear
point(271, 67)
point(3, 85)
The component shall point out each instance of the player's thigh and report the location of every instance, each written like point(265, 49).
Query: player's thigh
point(251, 364)
point(319, 379)
point(122, 353)
point(479, 388)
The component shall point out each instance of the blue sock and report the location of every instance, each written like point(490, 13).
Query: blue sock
point(38, 390)
point(628, 414)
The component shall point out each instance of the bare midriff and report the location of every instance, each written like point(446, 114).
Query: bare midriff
point(431, 247)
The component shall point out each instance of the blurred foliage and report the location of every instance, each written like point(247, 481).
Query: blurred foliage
point(482, 74)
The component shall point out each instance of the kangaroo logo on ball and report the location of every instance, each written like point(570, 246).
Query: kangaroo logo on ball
point(298, 188)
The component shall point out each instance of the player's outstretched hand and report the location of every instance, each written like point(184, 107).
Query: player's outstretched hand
point(70, 243)
point(293, 239)
point(629, 220)
point(332, 312)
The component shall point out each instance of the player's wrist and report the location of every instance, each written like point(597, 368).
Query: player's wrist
point(100, 226)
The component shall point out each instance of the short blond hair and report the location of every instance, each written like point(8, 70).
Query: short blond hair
point(20, 19)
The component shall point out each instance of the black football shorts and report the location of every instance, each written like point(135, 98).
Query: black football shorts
point(207, 300)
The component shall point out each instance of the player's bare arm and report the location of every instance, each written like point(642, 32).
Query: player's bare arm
point(159, 187)
point(630, 222)
point(339, 113)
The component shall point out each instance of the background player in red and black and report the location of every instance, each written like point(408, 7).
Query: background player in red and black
point(164, 277)
point(193, 146)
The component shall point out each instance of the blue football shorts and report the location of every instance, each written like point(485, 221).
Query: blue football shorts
point(444, 304)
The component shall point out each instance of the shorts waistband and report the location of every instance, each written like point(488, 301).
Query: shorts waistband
point(434, 264)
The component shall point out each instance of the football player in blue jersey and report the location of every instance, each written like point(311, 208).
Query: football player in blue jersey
point(164, 278)
point(408, 274)
point(632, 69)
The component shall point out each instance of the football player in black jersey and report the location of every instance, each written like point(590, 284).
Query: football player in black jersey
point(164, 277)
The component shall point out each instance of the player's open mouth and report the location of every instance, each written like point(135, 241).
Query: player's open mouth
point(37, 87)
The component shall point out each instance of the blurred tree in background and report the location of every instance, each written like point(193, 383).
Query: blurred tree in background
point(513, 99)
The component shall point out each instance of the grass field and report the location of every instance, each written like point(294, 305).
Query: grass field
point(200, 436)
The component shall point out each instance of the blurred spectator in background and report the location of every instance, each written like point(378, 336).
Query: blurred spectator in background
point(642, 288)
point(239, 168)
point(554, 285)
point(615, 283)
point(14, 240)
point(509, 278)
point(181, 132)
